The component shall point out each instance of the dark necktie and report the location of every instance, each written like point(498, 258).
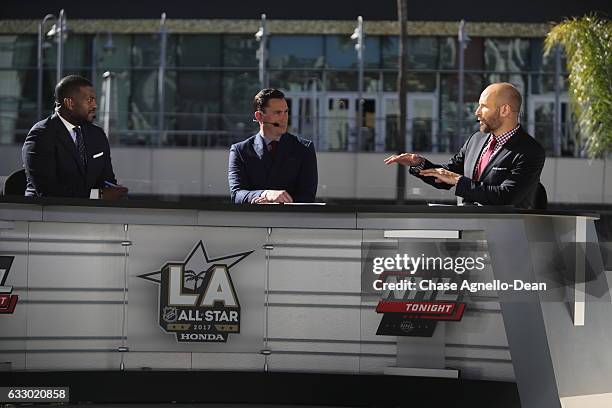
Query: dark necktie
point(272, 147)
point(486, 157)
point(80, 145)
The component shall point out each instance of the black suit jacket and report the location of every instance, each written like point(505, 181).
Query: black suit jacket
point(510, 178)
point(252, 169)
point(52, 163)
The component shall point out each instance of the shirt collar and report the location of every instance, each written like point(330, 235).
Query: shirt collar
point(504, 137)
point(68, 125)
point(266, 140)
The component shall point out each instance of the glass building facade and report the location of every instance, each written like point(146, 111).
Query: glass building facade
point(209, 81)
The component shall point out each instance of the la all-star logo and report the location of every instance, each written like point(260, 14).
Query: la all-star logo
point(197, 298)
point(7, 300)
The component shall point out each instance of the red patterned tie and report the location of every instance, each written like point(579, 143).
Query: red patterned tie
point(484, 160)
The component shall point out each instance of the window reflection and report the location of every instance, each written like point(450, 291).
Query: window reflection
point(340, 52)
point(239, 51)
point(422, 52)
point(198, 50)
point(210, 80)
point(296, 51)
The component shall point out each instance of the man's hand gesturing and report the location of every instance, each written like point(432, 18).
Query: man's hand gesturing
point(407, 159)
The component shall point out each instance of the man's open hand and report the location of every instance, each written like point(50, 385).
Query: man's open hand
point(442, 175)
point(407, 159)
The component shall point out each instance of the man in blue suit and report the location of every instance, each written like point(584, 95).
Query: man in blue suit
point(272, 166)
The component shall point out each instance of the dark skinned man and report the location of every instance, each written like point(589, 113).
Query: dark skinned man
point(66, 155)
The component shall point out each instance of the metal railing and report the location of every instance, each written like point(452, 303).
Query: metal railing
point(330, 133)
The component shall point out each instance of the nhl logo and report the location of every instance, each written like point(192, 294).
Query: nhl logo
point(170, 314)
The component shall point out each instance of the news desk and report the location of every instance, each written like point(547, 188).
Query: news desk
point(89, 297)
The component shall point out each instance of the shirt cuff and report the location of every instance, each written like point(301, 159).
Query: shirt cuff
point(462, 186)
point(416, 169)
point(94, 194)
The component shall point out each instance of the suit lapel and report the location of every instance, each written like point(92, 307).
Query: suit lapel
point(499, 158)
point(501, 155)
point(475, 154)
point(64, 137)
point(259, 146)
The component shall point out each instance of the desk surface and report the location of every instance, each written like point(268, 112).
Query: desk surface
point(208, 205)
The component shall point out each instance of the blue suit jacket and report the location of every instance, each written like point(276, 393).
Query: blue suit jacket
point(252, 169)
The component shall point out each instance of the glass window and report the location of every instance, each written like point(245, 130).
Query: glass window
point(294, 80)
point(76, 53)
point(516, 79)
point(347, 81)
point(198, 92)
point(14, 104)
point(112, 51)
point(239, 88)
point(296, 51)
point(195, 107)
point(422, 52)
point(340, 52)
point(240, 51)
point(417, 82)
point(474, 85)
point(146, 50)
point(199, 50)
point(119, 103)
point(542, 63)
point(544, 80)
point(341, 80)
point(545, 83)
point(143, 105)
point(506, 54)
point(17, 87)
point(473, 56)
point(17, 51)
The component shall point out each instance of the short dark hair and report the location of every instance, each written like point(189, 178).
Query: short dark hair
point(68, 86)
point(261, 99)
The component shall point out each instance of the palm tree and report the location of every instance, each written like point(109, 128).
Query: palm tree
point(192, 276)
point(588, 46)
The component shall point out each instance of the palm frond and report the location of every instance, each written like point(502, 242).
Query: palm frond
point(588, 47)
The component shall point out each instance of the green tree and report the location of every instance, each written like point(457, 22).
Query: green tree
point(588, 46)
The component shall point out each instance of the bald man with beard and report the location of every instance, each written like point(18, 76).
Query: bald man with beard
point(499, 165)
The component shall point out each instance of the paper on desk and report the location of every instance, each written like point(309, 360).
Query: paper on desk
point(305, 203)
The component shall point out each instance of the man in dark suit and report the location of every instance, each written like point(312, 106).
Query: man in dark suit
point(272, 166)
point(499, 165)
point(66, 155)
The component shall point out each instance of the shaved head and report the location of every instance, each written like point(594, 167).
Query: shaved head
point(504, 93)
point(498, 108)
